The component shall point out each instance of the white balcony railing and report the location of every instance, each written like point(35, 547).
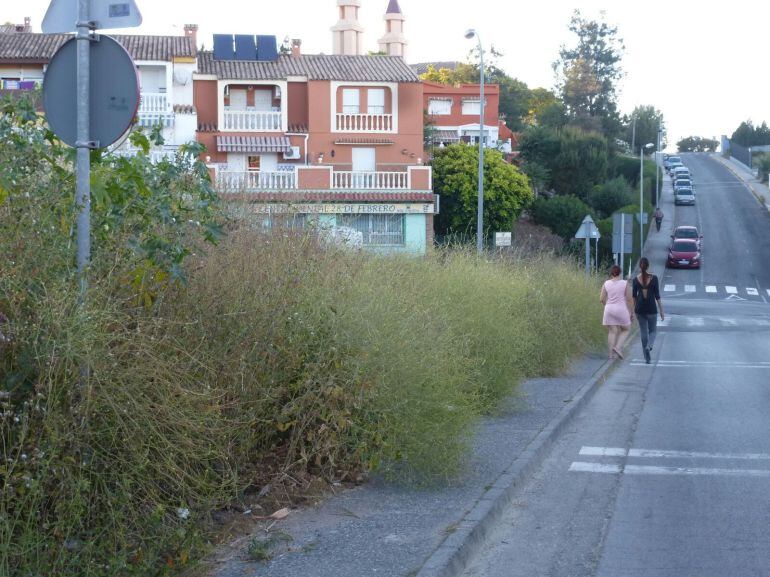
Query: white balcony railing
point(251, 120)
point(231, 181)
point(371, 180)
point(364, 122)
point(154, 102)
point(167, 152)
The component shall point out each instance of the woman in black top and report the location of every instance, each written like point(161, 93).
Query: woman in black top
point(647, 306)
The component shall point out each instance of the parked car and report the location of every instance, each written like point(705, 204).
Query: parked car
point(679, 171)
point(683, 253)
point(684, 196)
point(688, 233)
point(684, 183)
point(671, 161)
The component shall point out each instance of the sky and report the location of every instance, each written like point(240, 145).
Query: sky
point(701, 64)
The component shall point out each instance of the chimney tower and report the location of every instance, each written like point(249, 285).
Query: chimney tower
point(191, 31)
point(348, 33)
point(394, 42)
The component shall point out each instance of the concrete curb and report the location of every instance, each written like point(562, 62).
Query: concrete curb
point(452, 555)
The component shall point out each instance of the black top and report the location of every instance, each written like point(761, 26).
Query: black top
point(645, 296)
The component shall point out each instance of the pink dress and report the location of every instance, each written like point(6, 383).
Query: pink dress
point(616, 309)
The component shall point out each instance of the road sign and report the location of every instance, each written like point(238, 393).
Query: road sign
point(588, 229)
point(62, 15)
point(503, 239)
point(114, 92)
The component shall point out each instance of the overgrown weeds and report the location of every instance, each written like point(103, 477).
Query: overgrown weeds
point(276, 356)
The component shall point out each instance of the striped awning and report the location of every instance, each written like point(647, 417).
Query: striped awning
point(445, 136)
point(253, 144)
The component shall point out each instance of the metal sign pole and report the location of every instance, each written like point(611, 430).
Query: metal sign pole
point(622, 241)
point(588, 256)
point(83, 170)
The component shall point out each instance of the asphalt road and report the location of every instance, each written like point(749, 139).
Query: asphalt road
point(666, 471)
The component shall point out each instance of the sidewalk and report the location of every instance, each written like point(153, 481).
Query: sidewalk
point(384, 529)
point(749, 178)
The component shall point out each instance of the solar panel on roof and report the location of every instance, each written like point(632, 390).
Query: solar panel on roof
point(267, 48)
point(245, 47)
point(223, 47)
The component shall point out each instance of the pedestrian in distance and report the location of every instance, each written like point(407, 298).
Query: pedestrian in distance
point(658, 216)
point(618, 311)
point(647, 306)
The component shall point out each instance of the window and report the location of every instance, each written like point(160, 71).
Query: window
point(471, 106)
point(350, 101)
point(376, 101)
point(377, 229)
point(439, 106)
point(254, 163)
point(286, 222)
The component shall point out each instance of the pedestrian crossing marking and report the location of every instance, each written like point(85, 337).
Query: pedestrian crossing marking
point(731, 290)
point(711, 289)
point(752, 291)
point(689, 288)
point(671, 288)
point(625, 468)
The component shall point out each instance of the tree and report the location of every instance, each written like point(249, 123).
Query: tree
point(587, 74)
point(545, 109)
point(455, 178)
point(577, 160)
point(697, 144)
point(749, 135)
point(642, 128)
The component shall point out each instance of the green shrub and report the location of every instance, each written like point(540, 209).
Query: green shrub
point(610, 196)
point(562, 214)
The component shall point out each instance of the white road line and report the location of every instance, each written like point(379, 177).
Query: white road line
point(768, 292)
point(711, 289)
point(686, 365)
point(581, 467)
point(731, 290)
point(603, 452)
point(689, 288)
point(669, 288)
point(667, 454)
point(752, 291)
point(696, 321)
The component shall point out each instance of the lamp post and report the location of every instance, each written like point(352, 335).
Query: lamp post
point(480, 217)
point(641, 196)
point(657, 169)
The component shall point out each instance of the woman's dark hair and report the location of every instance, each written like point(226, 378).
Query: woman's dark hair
point(615, 270)
point(644, 264)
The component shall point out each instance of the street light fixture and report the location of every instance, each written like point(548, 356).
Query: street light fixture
point(480, 217)
point(641, 196)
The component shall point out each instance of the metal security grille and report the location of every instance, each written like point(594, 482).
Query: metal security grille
point(377, 229)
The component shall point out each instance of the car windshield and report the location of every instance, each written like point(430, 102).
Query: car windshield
point(684, 191)
point(684, 246)
point(683, 182)
point(674, 159)
point(686, 233)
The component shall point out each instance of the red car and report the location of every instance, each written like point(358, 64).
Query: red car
point(683, 253)
point(688, 232)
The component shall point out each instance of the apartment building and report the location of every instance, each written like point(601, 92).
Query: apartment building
point(165, 65)
point(332, 141)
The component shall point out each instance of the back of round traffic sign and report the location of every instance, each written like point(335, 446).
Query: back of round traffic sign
point(114, 92)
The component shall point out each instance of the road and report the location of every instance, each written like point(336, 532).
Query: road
point(666, 471)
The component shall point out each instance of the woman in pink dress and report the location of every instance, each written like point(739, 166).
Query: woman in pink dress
point(618, 310)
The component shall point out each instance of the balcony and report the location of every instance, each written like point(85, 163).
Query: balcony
point(364, 122)
point(370, 180)
point(233, 182)
point(252, 121)
point(155, 108)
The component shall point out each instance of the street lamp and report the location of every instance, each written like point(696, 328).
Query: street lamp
point(641, 196)
point(657, 168)
point(480, 217)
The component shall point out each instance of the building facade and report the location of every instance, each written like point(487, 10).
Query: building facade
point(165, 65)
point(453, 113)
point(331, 140)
